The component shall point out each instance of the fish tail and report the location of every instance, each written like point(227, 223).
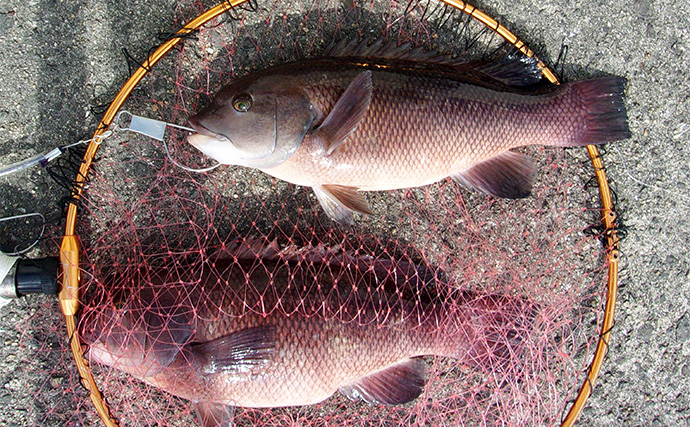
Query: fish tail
point(605, 118)
point(492, 333)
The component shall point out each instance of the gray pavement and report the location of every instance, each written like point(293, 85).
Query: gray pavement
point(60, 58)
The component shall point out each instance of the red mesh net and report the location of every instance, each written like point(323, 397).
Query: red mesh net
point(175, 258)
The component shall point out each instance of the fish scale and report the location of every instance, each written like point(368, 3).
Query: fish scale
point(344, 125)
point(304, 373)
point(378, 157)
point(360, 331)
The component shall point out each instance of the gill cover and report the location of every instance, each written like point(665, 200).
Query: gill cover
point(254, 122)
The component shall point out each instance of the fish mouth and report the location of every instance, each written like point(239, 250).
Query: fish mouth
point(203, 130)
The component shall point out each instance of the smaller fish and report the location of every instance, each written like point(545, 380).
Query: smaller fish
point(263, 327)
point(377, 118)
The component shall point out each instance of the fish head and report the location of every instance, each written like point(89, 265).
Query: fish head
point(136, 338)
point(256, 122)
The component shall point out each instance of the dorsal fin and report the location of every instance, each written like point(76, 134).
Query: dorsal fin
point(389, 50)
point(512, 69)
point(399, 270)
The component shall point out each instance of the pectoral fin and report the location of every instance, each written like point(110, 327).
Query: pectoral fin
point(238, 352)
point(395, 385)
point(210, 414)
point(508, 175)
point(347, 113)
point(339, 202)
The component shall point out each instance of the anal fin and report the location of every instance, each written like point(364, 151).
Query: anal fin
point(509, 175)
point(394, 385)
point(340, 201)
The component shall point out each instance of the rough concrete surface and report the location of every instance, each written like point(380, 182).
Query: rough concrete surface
point(60, 58)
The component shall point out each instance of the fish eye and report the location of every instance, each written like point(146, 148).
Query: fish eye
point(242, 102)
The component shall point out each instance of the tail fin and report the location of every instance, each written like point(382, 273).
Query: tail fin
point(606, 119)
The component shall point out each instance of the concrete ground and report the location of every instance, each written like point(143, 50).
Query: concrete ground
point(60, 58)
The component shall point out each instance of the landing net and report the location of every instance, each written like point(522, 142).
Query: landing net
point(139, 211)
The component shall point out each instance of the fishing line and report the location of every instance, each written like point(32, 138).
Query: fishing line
point(15, 251)
point(63, 172)
point(39, 159)
point(232, 10)
point(44, 159)
point(155, 129)
point(132, 60)
point(191, 35)
point(559, 65)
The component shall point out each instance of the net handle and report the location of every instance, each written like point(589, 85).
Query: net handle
point(69, 249)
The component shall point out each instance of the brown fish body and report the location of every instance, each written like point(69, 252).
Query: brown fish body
point(420, 129)
point(312, 356)
point(263, 335)
point(345, 124)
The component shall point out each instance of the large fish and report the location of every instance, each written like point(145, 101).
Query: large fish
point(262, 327)
point(380, 119)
